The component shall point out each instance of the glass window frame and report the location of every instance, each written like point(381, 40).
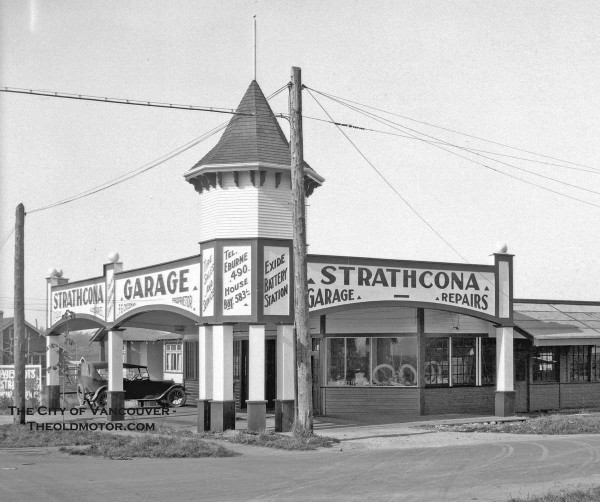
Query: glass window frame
point(173, 357)
point(344, 381)
point(545, 375)
point(449, 362)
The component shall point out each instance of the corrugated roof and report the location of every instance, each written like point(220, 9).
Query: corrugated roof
point(558, 323)
point(252, 137)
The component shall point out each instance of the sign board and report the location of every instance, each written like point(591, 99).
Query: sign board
point(88, 298)
point(276, 267)
point(335, 284)
point(237, 280)
point(208, 282)
point(178, 286)
point(33, 382)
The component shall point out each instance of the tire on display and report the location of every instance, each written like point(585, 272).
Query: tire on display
point(176, 397)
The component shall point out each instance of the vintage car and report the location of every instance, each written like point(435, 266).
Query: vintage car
point(92, 385)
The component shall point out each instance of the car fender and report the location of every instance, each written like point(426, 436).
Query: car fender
point(177, 385)
point(104, 387)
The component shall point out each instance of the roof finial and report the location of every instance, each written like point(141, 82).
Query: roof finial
point(254, 46)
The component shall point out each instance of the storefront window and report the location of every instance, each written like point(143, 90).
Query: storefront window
point(336, 362)
point(394, 362)
point(488, 361)
point(436, 361)
point(358, 354)
point(545, 364)
point(463, 361)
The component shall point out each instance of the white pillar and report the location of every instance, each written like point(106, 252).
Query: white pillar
point(504, 359)
point(222, 363)
point(205, 362)
point(115, 361)
point(285, 363)
point(52, 350)
point(256, 387)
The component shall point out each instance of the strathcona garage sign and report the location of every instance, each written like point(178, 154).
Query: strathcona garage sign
point(336, 284)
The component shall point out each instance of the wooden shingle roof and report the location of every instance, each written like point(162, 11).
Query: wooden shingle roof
point(256, 137)
point(252, 139)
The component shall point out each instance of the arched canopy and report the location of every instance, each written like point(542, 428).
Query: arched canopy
point(79, 322)
point(400, 303)
point(159, 317)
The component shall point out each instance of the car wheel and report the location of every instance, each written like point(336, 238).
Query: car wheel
point(80, 394)
point(176, 397)
point(101, 399)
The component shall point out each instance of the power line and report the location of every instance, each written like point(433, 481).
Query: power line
point(134, 173)
point(453, 131)
point(145, 167)
point(8, 235)
point(441, 237)
point(120, 101)
point(437, 142)
point(389, 133)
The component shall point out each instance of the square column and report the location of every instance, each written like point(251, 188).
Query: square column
point(52, 390)
point(257, 405)
point(505, 389)
point(116, 395)
point(222, 407)
point(205, 376)
point(286, 376)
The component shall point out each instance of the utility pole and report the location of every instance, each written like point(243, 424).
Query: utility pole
point(19, 390)
point(304, 413)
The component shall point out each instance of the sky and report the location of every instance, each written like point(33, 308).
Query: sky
point(518, 73)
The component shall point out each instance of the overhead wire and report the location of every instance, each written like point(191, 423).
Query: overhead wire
point(437, 143)
point(390, 133)
point(145, 167)
point(8, 235)
point(455, 131)
point(408, 204)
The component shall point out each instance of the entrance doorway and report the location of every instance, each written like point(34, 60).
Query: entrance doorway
point(241, 352)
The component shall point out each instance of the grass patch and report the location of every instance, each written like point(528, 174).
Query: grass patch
point(582, 423)
point(574, 495)
point(150, 446)
point(283, 441)
point(265, 439)
point(109, 445)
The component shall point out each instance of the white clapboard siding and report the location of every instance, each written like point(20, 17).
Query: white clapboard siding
point(438, 321)
point(373, 320)
point(247, 211)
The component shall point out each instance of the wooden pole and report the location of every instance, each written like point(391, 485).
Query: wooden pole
point(304, 413)
point(19, 390)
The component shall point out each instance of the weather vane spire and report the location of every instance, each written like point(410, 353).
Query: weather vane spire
point(254, 46)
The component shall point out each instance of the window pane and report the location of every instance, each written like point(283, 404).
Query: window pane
point(463, 361)
point(488, 361)
point(595, 364)
point(357, 361)
point(579, 363)
point(436, 361)
point(545, 364)
point(336, 374)
point(394, 361)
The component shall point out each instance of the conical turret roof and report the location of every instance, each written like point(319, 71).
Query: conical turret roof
point(252, 139)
